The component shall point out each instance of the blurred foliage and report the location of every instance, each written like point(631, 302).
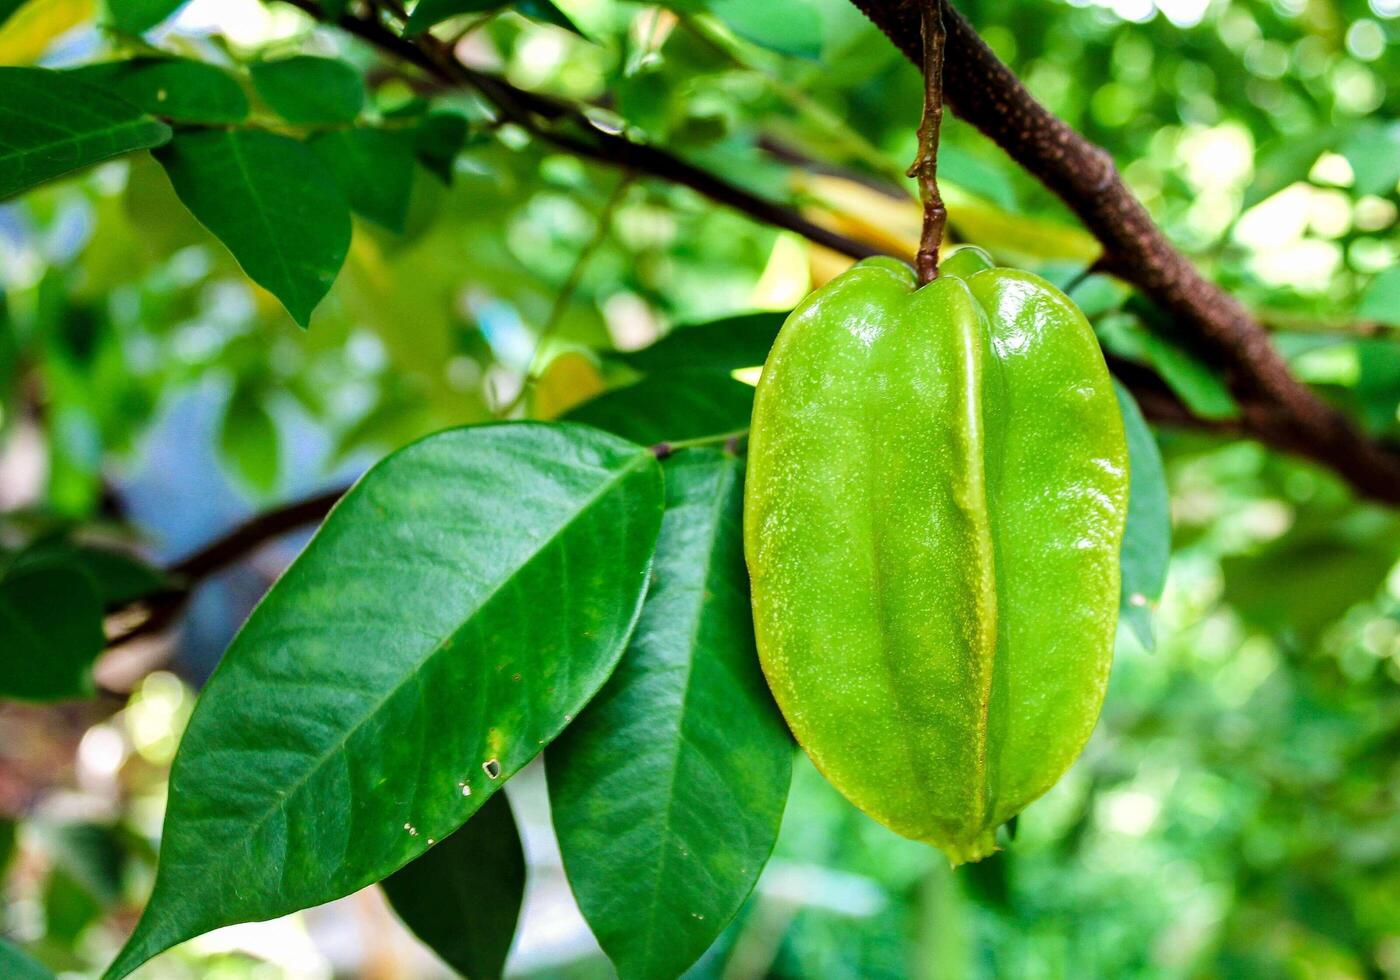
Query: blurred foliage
point(1238, 813)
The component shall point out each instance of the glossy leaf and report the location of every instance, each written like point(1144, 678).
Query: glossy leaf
point(430, 12)
point(1147, 535)
point(269, 200)
point(52, 123)
point(307, 89)
point(139, 16)
point(50, 632)
point(719, 345)
point(672, 406)
point(173, 88)
point(456, 610)
point(668, 791)
point(374, 169)
point(463, 896)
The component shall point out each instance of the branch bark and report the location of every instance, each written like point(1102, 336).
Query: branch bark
point(1277, 408)
point(223, 551)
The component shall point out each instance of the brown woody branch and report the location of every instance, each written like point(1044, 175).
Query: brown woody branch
point(1277, 409)
point(162, 608)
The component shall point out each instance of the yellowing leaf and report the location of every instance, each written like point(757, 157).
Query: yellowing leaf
point(892, 224)
point(571, 379)
point(34, 26)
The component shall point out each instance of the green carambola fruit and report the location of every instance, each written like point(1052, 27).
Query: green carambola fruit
point(937, 485)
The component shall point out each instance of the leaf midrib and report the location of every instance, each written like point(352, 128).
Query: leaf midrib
point(339, 744)
point(717, 516)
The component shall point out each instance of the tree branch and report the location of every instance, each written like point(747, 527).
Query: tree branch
point(1278, 409)
point(243, 540)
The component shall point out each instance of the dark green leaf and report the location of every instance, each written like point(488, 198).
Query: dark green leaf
point(7, 7)
point(50, 632)
point(1147, 537)
point(374, 168)
point(120, 577)
point(402, 669)
point(437, 141)
point(7, 844)
point(15, 964)
point(668, 791)
point(671, 406)
point(269, 200)
point(720, 345)
point(430, 12)
point(1306, 580)
point(173, 88)
point(788, 26)
point(51, 123)
point(307, 89)
point(462, 897)
point(69, 908)
point(249, 441)
point(139, 16)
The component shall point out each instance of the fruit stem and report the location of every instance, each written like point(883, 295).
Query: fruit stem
point(925, 166)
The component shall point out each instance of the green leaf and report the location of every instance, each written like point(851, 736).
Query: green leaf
point(269, 200)
point(430, 12)
point(437, 141)
point(248, 440)
point(788, 26)
point(50, 632)
point(719, 345)
point(668, 791)
point(119, 576)
point(374, 169)
point(1144, 334)
point(173, 88)
point(456, 610)
point(307, 89)
point(1303, 582)
point(139, 16)
point(463, 896)
point(1198, 386)
point(8, 7)
point(1374, 154)
point(670, 407)
point(1147, 537)
point(15, 964)
point(51, 123)
point(1381, 300)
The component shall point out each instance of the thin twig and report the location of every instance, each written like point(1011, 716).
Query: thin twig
point(1278, 409)
point(925, 166)
point(567, 290)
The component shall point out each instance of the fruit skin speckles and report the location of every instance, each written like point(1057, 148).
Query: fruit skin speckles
point(937, 487)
